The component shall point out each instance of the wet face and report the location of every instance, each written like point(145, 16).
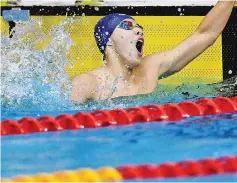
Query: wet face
point(128, 42)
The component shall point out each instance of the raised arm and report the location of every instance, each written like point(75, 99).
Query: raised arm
point(172, 61)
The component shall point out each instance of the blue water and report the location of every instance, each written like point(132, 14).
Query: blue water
point(192, 138)
point(142, 143)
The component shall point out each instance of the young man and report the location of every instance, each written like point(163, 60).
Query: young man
point(125, 72)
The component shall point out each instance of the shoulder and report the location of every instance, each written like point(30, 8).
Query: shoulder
point(151, 63)
point(153, 59)
point(83, 86)
point(84, 77)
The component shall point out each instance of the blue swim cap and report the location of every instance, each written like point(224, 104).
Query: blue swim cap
point(105, 27)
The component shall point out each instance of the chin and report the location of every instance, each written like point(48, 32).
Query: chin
point(134, 63)
point(138, 60)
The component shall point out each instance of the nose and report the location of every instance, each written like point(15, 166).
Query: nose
point(138, 32)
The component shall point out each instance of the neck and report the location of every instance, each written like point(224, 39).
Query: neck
point(116, 66)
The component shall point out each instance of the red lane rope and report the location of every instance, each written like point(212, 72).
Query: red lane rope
point(101, 118)
point(203, 167)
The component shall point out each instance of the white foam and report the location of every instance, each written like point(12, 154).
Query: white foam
point(159, 2)
point(46, 2)
point(32, 78)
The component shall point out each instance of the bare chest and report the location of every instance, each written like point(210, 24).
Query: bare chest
point(111, 88)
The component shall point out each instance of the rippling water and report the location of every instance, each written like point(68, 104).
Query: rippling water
point(192, 138)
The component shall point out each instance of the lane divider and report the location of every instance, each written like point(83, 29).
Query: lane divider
point(182, 169)
point(102, 118)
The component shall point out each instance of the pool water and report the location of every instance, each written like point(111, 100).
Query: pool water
point(141, 143)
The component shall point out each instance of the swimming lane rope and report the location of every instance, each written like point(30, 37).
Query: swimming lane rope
point(101, 118)
point(182, 169)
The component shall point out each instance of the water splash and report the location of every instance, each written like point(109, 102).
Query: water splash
point(35, 78)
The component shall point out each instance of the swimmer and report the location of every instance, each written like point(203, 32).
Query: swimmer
point(125, 71)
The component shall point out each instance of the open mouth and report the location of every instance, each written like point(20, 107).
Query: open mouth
point(139, 46)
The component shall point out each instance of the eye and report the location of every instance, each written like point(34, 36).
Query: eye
point(130, 24)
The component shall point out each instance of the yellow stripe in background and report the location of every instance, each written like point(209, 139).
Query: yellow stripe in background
point(4, 27)
point(89, 3)
point(3, 3)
